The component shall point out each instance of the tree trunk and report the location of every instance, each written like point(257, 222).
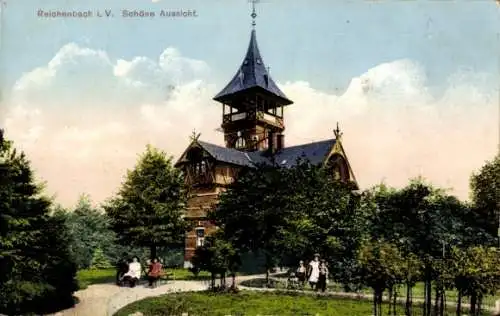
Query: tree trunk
point(267, 276)
point(459, 303)
point(234, 280)
point(390, 300)
point(408, 299)
point(473, 304)
point(212, 281)
point(424, 305)
point(375, 299)
point(428, 298)
point(152, 251)
point(395, 302)
point(443, 303)
point(479, 303)
point(436, 301)
point(380, 297)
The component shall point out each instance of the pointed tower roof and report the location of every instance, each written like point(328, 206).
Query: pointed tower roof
point(252, 74)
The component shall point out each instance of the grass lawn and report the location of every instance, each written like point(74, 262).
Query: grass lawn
point(252, 304)
point(418, 290)
point(87, 277)
point(93, 276)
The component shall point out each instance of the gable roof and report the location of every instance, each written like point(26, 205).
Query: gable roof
point(252, 74)
point(315, 152)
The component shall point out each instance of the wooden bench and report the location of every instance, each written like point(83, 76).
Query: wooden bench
point(165, 277)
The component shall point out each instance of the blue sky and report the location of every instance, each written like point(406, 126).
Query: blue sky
point(333, 40)
point(414, 84)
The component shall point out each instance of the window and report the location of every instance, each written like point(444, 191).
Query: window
point(200, 168)
point(240, 141)
point(200, 237)
point(339, 168)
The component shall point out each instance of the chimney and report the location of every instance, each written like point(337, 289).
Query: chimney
point(280, 142)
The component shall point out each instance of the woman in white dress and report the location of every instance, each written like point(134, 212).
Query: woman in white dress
point(133, 275)
point(314, 271)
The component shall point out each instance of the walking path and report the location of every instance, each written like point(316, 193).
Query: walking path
point(107, 299)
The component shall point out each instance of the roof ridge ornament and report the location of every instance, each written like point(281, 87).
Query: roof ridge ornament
point(338, 134)
point(194, 136)
point(254, 14)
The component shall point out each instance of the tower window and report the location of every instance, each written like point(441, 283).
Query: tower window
point(280, 111)
point(240, 142)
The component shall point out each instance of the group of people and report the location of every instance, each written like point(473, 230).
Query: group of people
point(316, 272)
point(129, 271)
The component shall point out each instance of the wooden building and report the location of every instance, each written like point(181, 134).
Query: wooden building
point(253, 123)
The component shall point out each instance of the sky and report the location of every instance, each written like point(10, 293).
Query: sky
point(413, 84)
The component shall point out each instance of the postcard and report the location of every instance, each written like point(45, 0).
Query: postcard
point(95, 92)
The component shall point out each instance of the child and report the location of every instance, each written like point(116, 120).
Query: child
point(323, 275)
point(301, 273)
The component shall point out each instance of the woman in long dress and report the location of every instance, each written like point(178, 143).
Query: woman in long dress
point(314, 271)
point(133, 275)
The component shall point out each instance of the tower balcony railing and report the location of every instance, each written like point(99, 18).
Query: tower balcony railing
point(234, 117)
point(259, 115)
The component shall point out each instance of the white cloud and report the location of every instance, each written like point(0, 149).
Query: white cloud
point(84, 118)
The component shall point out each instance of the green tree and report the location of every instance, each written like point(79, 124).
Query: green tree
point(291, 213)
point(324, 216)
point(99, 260)
point(485, 194)
point(148, 209)
point(218, 257)
point(475, 274)
point(381, 269)
point(258, 225)
point(421, 220)
point(36, 270)
point(89, 229)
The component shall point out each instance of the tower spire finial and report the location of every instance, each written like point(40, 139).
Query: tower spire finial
point(254, 14)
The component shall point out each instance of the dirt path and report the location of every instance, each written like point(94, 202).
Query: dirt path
point(106, 299)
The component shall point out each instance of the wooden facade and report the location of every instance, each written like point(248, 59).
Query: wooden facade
point(207, 178)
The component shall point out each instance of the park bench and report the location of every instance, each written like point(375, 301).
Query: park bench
point(165, 277)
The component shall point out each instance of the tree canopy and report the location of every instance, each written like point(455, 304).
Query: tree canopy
point(485, 194)
point(291, 213)
point(148, 209)
point(36, 270)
